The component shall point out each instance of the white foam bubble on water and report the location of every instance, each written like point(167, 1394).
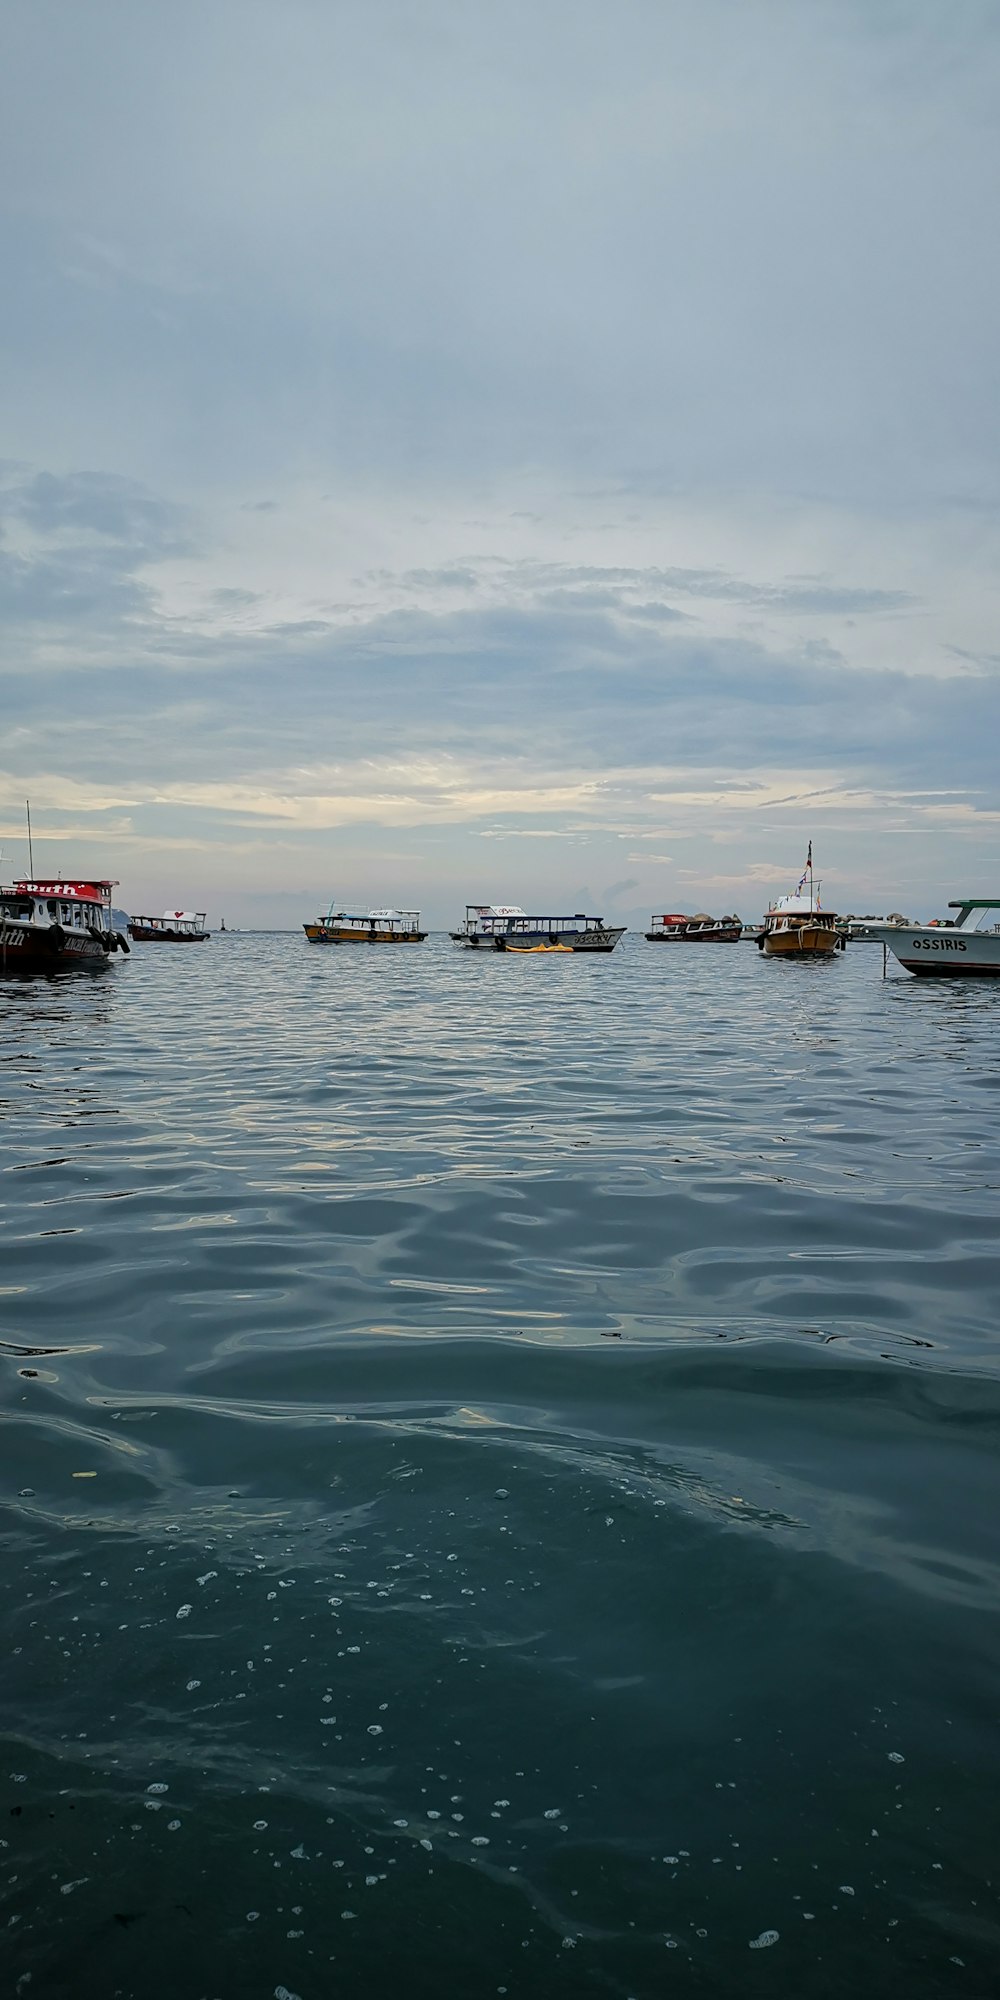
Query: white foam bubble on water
point(185, 1611)
point(762, 1942)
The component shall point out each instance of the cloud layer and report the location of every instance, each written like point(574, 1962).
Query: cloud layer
point(502, 451)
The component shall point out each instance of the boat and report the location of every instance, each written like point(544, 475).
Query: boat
point(49, 926)
point(506, 927)
point(375, 927)
point(955, 949)
point(174, 927)
point(695, 930)
point(796, 926)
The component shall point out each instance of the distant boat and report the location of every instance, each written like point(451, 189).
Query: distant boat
point(954, 950)
point(376, 927)
point(694, 930)
point(797, 927)
point(48, 925)
point(174, 927)
point(505, 927)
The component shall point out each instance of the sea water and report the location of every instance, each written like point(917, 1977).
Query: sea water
point(498, 1476)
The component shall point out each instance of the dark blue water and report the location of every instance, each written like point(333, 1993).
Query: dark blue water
point(498, 1476)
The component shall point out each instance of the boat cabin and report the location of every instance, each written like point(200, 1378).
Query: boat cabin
point(46, 902)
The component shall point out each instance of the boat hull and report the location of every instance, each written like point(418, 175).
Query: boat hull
point(727, 934)
point(805, 941)
point(32, 948)
point(341, 934)
point(532, 941)
point(934, 953)
point(140, 935)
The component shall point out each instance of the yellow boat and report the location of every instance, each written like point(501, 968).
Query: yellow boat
point(378, 927)
point(796, 926)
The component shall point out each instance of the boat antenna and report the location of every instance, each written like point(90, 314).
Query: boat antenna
point(31, 858)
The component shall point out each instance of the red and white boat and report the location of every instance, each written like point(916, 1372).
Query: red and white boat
point(47, 925)
point(677, 929)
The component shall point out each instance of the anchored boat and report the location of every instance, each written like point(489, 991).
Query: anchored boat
point(505, 927)
point(174, 927)
point(957, 949)
point(694, 930)
point(377, 927)
point(797, 927)
point(49, 926)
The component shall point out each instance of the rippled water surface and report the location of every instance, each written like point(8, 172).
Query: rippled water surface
point(498, 1476)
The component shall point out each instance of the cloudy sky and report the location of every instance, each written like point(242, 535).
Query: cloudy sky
point(535, 450)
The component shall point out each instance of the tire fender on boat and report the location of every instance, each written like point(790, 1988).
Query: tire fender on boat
point(123, 943)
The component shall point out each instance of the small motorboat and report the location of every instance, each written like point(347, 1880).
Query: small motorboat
point(796, 926)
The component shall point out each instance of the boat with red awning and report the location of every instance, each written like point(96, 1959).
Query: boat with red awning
point(48, 925)
point(695, 930)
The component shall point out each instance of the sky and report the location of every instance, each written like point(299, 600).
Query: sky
point(538, 451)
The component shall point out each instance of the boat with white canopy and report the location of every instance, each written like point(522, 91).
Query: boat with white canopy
point(506, 927)
point(375, 927)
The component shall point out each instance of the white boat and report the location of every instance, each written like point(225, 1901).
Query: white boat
point(956, 949)
point(505, 927)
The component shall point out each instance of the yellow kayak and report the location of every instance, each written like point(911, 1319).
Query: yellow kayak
point(523, 949)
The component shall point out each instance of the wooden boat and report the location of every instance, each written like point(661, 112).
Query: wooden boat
point(377, 927)
point(954, 950)
point(505, 927)
point(50, 926)
point(694, 930)
point(174, 927)
point(797, 927)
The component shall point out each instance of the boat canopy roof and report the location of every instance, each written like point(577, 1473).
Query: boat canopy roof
point(371, 916)
point(96, 891)
point(798, 906)
point(183, 917)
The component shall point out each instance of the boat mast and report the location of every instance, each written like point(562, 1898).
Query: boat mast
point(31, 858)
